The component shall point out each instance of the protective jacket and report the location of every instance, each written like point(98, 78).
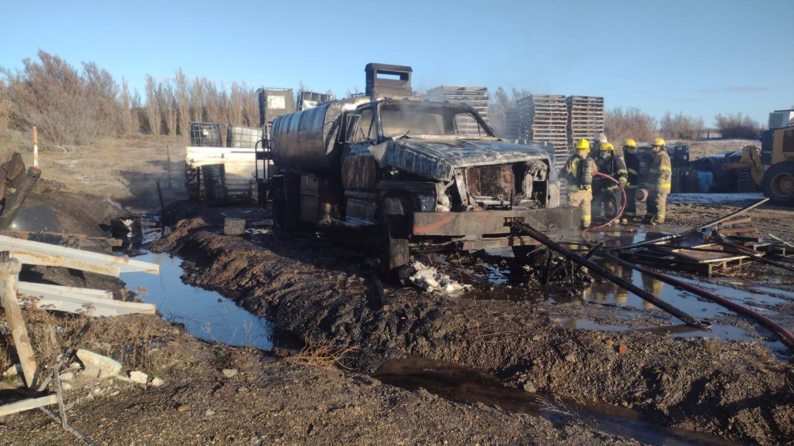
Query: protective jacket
point(580, 173)
point(660, 173)
point(632, 167)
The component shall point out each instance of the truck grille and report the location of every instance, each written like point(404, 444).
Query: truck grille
point(495, 182)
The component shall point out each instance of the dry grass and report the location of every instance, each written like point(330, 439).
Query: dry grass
point(321, 354)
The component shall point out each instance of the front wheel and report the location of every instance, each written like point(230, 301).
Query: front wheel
point(779, 183)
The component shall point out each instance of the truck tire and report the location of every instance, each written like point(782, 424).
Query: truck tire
point(779, 183)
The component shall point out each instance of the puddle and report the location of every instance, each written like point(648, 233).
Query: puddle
point(206, 314)
point(764, 300)
point(607, 293)
point(471, 386)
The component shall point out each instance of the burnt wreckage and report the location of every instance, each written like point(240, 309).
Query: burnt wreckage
point(423, 175)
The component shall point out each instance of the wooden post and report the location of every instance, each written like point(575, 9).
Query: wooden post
point(9, 272)
point(35, 147)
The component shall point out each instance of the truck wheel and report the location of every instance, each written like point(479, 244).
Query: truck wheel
point(779, 183)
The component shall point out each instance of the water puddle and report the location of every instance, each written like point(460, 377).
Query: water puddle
point(471, 386)
point(607, 293)
point(206, 314)
point(763, 299)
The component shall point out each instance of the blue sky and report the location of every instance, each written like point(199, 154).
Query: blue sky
point(699, 57)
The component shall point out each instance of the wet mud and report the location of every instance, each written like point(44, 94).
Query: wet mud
point(728, 384)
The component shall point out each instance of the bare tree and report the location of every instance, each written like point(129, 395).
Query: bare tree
point(681, 126)
point(632, 122)
point(68, 106)
point(738, 126)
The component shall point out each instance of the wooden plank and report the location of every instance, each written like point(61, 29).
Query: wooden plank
point(30, 289)
point(33, 258)
point(81, 304)
point(97, 303)
point(16, 322)
point(37, 253)
point(28, 404)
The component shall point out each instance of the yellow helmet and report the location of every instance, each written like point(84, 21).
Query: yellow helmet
point(630, 143)
point(584, 144)
point(607, 146)
point(659, 142)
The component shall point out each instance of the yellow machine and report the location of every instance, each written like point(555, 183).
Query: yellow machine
point(772, 167)
point(777, 152)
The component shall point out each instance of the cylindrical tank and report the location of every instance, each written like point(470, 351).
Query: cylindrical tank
point(306, 141)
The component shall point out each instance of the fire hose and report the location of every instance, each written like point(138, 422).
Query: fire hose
point(622, 207)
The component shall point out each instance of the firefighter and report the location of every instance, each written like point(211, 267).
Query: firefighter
point(607, 196)
point(660, 174)
point(579, 171)
point(632, 161)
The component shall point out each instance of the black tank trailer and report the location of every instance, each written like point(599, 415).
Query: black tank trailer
point(399, 167)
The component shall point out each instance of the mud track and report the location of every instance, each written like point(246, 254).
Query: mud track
point(319, 291)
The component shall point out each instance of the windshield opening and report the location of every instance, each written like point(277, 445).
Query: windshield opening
point(416, 119)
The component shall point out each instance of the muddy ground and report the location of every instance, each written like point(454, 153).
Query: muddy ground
point(285, 396)
point(322, 291)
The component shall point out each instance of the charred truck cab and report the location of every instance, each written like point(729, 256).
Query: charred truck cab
point(412, 171)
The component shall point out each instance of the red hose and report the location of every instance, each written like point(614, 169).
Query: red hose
point(622, 207)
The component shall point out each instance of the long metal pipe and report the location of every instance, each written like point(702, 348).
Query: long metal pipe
point(605, 273)
point(784, 335)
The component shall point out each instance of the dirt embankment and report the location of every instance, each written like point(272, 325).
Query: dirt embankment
point(321, 292)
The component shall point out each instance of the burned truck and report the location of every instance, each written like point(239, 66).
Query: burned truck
point(404, 170)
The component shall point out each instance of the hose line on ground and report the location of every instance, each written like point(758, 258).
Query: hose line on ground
point(622, 207)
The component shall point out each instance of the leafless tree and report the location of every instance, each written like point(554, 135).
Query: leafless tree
point(632, 122)
point(738, 126)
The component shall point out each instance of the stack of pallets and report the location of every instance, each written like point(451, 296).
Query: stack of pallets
point(544, 118)
point(475, 97)
point(585, 117)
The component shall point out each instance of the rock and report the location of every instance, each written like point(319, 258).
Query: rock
point(14, 370)
point(68, 376)
point(229, 373)
point(530, 388)
point(75, 366)
point(624, 403)
point(157, 382)
point(98, 366)
point(139, 377)
point(183, 408)
point(209, 413)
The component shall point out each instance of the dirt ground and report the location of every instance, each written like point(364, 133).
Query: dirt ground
point(321, 291)
point(324, 293)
